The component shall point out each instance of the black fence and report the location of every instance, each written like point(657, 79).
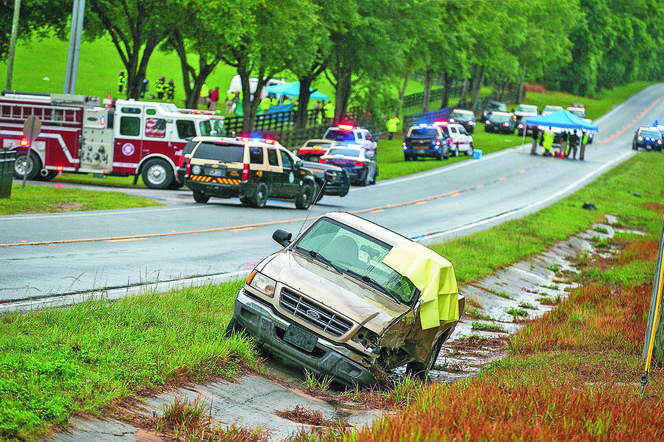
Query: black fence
point(280, 125)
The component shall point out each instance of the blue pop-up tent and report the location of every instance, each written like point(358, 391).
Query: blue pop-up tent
point(562, 119)
point(293, 90)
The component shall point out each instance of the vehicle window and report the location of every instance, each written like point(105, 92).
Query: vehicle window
point(256, 155)
point(130, 126)
point(462, 131)
point(272, 158)
point(445, 129)
point(357, 253)
point(650, 133)
point(189, 147)
point(344, 152)
point(286, 160)
point(340, 135)
point(424, 132)
point(185, 128)
point(360, 135)
point(223, 152)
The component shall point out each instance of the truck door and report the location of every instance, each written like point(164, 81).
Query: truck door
point(290, 178)
point(128, 145)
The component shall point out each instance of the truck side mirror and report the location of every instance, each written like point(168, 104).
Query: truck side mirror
point(282, 237)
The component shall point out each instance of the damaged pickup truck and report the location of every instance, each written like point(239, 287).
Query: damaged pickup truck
point(350, 299)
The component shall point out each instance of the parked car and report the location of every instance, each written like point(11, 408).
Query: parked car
point(648, 138)
point(458, 139)
point(463, 117)
point(550, 108)
point(252, 170)
point(523, 112)
point(355, 161)
point(312, 150)
point(350, 135)
point(425, 140)
point(500, 122)
point(349, 298)
point(493, 106)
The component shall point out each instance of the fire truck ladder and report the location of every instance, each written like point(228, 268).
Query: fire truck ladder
point(50, 115)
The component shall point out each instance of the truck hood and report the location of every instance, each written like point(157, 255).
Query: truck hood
point(340, 293)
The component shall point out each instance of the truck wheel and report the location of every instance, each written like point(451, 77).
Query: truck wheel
point(200, 197)
point(260, 197)
point(306, 196)
point(157, 174)
point(233, 328)
point(28, 164)
point(49, 175)
point(420, 370)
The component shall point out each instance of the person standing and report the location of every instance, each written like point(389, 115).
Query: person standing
point(214, 97)
point(160, 87)
point(584, 141)
point(170, 91)
point(205, 95)
point(230, 101)
point(328, 113)
point(392, 126)
point(144, 88)
point(265, 105)
point(534, 135)
point(547, 143)
point(121, 82)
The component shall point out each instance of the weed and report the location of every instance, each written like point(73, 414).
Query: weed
point(488, 327)
point(503, 295)
point(475, 313)
point(601, 229)
point(527, 305)
point(550, 301)
point(517, 312)
point(186, 418)
point(554, 268)
point(316, 384)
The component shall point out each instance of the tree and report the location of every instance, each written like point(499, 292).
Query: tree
point(265, 45)
point(39, 18)
point(136, 28)
point(209, 30)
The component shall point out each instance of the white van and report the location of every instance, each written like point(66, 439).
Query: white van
point(236, 84)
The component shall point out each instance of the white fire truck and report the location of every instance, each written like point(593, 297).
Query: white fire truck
point(77, 135)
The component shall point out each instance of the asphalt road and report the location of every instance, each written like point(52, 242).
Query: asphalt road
point(45, 256)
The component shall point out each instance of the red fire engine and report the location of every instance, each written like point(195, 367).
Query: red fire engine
point(137, 138)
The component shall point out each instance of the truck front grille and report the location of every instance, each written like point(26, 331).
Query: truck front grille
point(314, 314)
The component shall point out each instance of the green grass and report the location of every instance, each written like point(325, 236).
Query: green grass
point(82, 359)
point(42, 199)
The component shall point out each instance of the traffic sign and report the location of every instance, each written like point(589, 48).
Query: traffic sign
point(31, 128)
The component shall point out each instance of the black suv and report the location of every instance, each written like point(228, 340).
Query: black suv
point(248, 169)
point(463, 117)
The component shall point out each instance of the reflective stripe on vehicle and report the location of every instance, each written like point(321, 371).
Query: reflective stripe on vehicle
point(209, 179)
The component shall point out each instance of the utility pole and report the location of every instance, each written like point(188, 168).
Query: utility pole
point(12, 44)
point(74, 46)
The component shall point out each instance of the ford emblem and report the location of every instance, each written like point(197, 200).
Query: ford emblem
point(313, 314)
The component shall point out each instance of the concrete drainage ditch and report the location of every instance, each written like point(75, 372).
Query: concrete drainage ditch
point(496, 304)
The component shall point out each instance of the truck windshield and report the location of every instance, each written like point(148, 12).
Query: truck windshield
point(212, 127)
point(357, 254)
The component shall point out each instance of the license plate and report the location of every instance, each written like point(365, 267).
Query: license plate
point(300, 338)
point(217, 172)
point(421, 151)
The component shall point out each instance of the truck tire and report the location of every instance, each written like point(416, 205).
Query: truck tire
point(260, 197)
point(28, 164)
point(200, 197)
point(306, 197)
point(157, 174)
point(420, 370)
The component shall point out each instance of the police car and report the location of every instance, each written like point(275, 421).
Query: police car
point(253, 170)
point(354, 137)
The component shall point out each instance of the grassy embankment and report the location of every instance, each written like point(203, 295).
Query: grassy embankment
point(569, 374)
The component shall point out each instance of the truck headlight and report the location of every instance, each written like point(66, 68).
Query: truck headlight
point(261, 282)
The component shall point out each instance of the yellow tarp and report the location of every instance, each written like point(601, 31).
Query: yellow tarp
point(433, 275)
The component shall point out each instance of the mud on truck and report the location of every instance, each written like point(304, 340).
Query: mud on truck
point(138, 138)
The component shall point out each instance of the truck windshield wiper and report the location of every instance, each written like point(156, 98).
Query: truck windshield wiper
point(375, 284)
point(321, 258)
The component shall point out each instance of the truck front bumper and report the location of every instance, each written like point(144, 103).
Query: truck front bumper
point(260, 321)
